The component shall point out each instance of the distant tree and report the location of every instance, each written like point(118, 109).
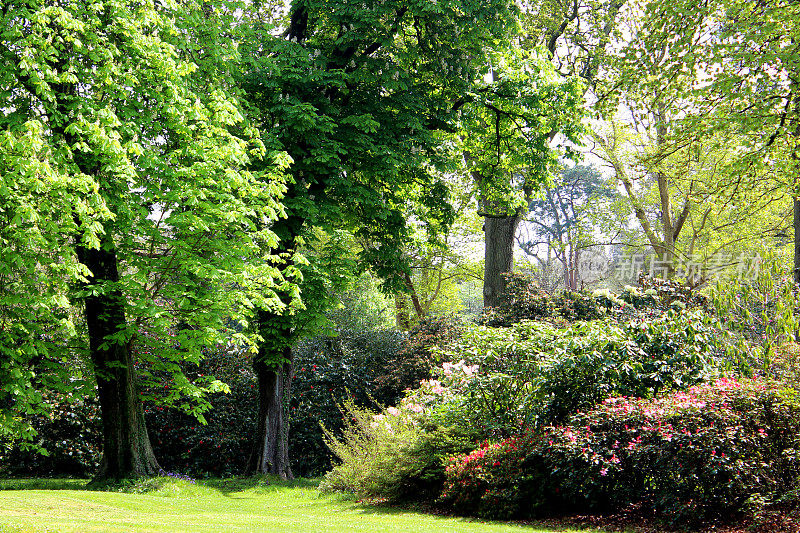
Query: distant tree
point(564, 220)
point(514, 140)
point(691, 177)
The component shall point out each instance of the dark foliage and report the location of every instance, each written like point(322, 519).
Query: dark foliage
point(219, 447)
point(70, 437)
point(328, 371)
point(419, 354)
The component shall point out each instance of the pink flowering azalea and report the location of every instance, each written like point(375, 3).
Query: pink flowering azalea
point(414, 407)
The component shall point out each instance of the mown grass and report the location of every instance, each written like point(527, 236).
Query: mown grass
point(253, 504)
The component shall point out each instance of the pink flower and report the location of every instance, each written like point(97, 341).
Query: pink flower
point(415, 407)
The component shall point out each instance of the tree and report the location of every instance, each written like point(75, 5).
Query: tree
point(564, 219)
point(122, 188)
point(507, 149)
point(441, 265)
point(685, 197)
point(682, 158)
point(572, 37)
point(358, 95)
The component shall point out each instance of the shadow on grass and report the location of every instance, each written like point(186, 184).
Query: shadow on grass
point(225, 486)
point(43, 484)
point(378, 507)
point(262, 484)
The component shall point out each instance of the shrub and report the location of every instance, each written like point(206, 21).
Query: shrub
point(785, 364)
point(529, 375)
point(500, 481)
point(421, 352)
point(672, 293)
point(393, 455)
point(328, 372)
point(70, 436)
point(522, 299)
point(532, 374)
point(765, 307)
point(222, 445)
point(688, 456)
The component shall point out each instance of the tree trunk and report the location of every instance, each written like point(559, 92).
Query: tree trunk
point(270, 453)
point(499, 235)
point(571, 269)
point(412, 292)
point(126, 444)
point(273, 368)
point(402, 319)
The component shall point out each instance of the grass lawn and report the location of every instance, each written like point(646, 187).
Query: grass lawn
point(164, 504)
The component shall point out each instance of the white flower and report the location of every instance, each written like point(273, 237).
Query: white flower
point(469, 370)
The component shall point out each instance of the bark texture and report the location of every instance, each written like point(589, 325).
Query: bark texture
point(402, 318)
point(270, 453)
point(499, 235)
point(273, 368)
point(126, 445)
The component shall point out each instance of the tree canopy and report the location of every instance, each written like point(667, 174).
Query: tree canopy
point(124, 192)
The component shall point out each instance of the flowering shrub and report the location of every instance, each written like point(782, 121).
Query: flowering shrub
point(688, 456)
point(499, 481)
point(393, 454)
point(418, 355)
point(532, 374)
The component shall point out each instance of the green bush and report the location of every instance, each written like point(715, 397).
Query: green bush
point(688, 456)
point(523, 299)
point(69, 435)
point(328, 372)
point(765, 307)
point(672, 293)
point(533, 374)
point(393, 455)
